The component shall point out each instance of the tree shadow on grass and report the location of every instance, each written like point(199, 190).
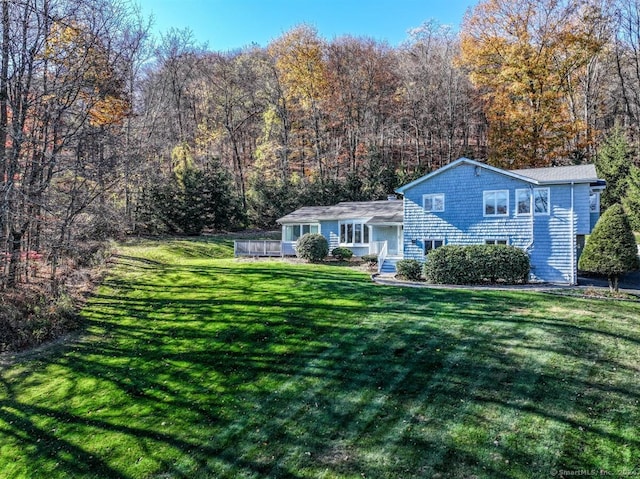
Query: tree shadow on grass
point(295, 372)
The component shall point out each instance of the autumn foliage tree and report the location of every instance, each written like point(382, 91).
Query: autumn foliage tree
point(64, 66)
point(523, 56)
point(301, 71)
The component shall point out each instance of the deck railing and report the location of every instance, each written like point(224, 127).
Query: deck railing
point(257, 248)
point(376, 246)
point(382, 255)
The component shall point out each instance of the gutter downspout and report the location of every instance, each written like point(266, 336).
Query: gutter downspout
point(528, 248)
point(574, 272)
point(529, 245)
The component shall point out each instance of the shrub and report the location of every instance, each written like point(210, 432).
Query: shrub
point(409, 269)
point(477, 264)
point(29, 317)
point(92, 253)
point(611, 249)
point(370, 258)
point(341, 253)
point(312, 247)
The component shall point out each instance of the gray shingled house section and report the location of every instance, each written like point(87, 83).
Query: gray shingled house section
point(382, 211)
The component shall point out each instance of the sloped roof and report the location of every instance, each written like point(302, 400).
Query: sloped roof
point(386, 219)
point(536, 176)
point(561, 174)
point(385, 211)
point(457, 163)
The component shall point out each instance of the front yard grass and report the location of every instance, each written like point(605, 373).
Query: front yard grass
point(193, 365)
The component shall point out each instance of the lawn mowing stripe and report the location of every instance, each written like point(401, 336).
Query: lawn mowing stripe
point(606, 419)
point(518, 407)
point(368, 404)
point(228, 442)
point(439, 435)
point(348, 426)
point(330, 356)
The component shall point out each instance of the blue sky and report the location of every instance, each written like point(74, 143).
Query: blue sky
point(231, 24)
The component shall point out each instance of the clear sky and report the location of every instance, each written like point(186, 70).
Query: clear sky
point(232, 24)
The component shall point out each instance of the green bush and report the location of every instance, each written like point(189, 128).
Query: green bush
point(341, 253)
point(312, 247)
point(477, 264)
point(370, 258)
point(611, 249)
point(409, 269)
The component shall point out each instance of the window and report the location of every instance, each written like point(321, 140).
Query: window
point(293, 232)
point(523, 202)
point(594, 202)
point(496, 241)
point(433, 202)
point(496, 203)
point(431, 244)
point(354, 233)
point(541, 201)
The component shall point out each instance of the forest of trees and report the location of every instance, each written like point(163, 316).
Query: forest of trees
point(106, 131)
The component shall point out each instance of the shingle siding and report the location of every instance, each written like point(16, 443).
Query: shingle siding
point(547, 238)
point(331, 231)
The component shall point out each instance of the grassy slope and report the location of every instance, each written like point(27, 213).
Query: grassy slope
point(193, 366)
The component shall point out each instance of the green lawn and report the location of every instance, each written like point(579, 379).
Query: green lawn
point(193, 365)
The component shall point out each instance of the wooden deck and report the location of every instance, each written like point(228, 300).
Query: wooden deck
point(257, 248)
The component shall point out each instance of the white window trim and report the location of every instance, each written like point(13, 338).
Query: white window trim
point(528, 191)
point(484, 204)
point(300, 225)
point(433, 195)
point(533, 202)
point(596, 194)
point(362, 222)
point(431, 240)
point(494, 240)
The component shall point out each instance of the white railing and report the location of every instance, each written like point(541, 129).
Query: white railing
point(382, 255)
point(376, 246)
point(257, 248)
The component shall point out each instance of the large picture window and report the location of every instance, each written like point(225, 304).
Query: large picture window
point(496, 203)
point(293, 232)
point(433, 202)
point(354, 232)
point(540, 201)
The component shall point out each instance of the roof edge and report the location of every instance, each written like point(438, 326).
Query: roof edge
point(468, 161)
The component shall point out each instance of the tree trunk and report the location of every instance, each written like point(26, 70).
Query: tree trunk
point(16, 246)
point(614, 283)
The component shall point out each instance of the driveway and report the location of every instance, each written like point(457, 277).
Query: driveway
point(630, 282)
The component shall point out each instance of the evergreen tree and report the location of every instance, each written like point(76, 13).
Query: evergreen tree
point(631, 202)
point(613, 163)
point(611, 249)
point(193, 199)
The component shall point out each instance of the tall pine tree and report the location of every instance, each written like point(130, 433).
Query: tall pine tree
point(631, 202)
point(611, 249)
point(613, 162)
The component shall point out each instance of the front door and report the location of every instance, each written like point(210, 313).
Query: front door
point(390, 234)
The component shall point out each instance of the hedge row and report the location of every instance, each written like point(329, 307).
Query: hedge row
point(477, 264)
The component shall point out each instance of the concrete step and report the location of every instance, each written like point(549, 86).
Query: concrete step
point(389, 265)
